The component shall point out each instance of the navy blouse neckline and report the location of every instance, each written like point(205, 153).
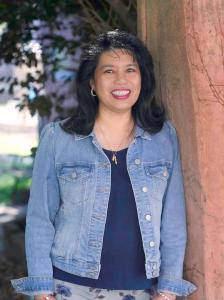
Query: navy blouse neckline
point(110, 151)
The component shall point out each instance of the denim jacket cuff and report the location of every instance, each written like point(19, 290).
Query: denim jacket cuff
point(33, 285)
point(179, 287)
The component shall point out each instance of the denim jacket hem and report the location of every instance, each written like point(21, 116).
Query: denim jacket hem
point(33, 285)
point(180, 287)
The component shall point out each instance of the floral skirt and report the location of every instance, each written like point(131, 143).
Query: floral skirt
point(70, 291)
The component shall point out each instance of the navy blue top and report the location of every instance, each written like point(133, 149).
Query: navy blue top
point(122, 259)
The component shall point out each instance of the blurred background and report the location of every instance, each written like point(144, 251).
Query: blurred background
point(40, 47)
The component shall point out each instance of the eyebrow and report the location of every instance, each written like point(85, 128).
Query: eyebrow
point(111, 66)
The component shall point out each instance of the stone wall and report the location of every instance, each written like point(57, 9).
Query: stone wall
point(186, 39)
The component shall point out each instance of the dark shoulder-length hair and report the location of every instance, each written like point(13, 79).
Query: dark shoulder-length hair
point(146, 112)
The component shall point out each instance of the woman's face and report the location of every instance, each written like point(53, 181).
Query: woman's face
point(117, 81)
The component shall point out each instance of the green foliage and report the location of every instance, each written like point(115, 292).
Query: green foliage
point(15, 179)
point(7, 183)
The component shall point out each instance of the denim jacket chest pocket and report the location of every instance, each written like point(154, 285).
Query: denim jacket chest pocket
point(74, 181)
point(157, 175)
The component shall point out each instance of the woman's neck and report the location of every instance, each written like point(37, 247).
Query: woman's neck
point(114, 132)
point(116, 125)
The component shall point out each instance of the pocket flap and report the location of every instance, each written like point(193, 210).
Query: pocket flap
point(74, 172)
point(157, 170)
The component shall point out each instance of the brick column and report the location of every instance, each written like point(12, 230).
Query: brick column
point(186, 39)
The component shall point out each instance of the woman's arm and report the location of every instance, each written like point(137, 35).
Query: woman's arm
point(42, 208)
point(173, 234)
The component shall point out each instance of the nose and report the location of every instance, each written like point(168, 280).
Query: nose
point(120, 77)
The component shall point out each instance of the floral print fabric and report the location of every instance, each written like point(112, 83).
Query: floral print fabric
point(70, 291)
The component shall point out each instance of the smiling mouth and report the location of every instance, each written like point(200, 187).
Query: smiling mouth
point(121, 94)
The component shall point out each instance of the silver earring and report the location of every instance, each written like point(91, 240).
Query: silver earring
point(92, 92)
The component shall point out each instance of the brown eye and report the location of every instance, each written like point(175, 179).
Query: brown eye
point(131, 70)
point(108, 71)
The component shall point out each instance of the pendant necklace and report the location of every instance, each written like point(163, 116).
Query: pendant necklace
point(114, 156)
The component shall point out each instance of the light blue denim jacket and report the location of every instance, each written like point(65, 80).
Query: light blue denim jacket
point(68, 206)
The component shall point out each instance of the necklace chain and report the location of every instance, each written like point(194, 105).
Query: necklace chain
point(114, 157)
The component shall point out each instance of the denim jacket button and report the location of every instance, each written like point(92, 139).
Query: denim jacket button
point(165, 173)
point(145, 189)
point(137, 161)
point(148, 217)
point(151, 244)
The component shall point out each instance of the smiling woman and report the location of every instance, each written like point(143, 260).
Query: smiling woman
point(106, 215)
point(116, 81)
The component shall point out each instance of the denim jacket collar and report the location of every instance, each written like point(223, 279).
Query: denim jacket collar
point(139, 132)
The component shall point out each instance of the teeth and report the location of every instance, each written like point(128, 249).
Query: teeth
point(120, 93)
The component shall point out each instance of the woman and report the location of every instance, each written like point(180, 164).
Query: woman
point(106, 214)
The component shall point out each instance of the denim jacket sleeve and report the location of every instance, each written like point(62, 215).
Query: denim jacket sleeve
point(42, 208)
point(173, 230)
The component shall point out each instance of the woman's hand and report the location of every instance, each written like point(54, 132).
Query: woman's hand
point(159, 297)
point(43, 297)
